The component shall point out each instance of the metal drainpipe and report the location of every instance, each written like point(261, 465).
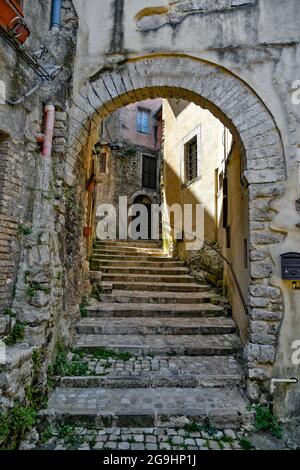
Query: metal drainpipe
point(56, 15)
point(47, 138)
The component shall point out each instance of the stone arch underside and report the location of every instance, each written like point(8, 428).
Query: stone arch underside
point(244, 113)
point(142, 192)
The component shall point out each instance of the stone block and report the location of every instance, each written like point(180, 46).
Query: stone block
point(264, 354)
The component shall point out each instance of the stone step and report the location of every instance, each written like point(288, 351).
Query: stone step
point(123, 296)
point(143, 257)
point(129, 249)
point(182, 278)
point(147, 406)
point(154, 286)
point(139, 264)
point(173, 271)
point(161, 371)
point(130, 243)
point(177, 345)
point(156, 326)
point(102, 309)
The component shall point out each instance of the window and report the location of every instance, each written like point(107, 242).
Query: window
point(149, 172)
point(143, 121)
point(191, 159)
point(103, 163)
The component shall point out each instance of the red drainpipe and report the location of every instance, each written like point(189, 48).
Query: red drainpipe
point(47, 138)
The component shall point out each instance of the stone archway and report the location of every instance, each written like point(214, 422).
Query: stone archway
point(142, 192)
point(243, 112)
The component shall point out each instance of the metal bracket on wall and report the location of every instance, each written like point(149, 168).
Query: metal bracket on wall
point(44, 71)
point(298, 205)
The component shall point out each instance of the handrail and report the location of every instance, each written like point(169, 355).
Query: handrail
point(229, 263)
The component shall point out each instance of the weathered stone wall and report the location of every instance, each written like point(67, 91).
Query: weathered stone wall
point(34, 226)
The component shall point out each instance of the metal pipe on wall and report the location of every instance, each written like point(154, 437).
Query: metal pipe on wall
point(56, 15)
point(47, 138)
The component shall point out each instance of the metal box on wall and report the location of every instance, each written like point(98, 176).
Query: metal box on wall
point(290, 266)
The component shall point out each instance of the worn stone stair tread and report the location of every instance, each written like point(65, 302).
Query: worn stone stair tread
point(124, 296)
point(121, 406)
point(135, 244)
point(142, 253)
point(110, 309)
point(160, 325)
point(141, 269)
point(162, 307)
point(177, 371)
point(219, 344)
point(152, 286)
point(131, 257)
point(129, 249)
point(155, 262)
point(148, 277)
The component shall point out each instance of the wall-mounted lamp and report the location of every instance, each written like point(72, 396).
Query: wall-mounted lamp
point(97, 148)
point(115, 146)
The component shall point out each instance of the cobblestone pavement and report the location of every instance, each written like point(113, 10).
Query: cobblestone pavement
point(177, 365)
point(67, 437)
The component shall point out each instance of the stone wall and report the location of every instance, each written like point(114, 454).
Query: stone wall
point(36, 282)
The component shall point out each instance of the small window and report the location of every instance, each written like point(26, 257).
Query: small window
point(143, 121)
point(191, 159)
point(103, 158)
point(149, 172)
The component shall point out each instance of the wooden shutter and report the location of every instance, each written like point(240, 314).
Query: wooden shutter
point(149, 172)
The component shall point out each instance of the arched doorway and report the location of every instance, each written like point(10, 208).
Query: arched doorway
point(146, 202)
point(239, 108)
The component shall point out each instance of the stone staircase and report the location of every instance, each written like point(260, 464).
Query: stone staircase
point(182, 350)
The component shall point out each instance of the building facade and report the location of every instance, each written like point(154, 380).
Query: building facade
point(245, 71)
point(131, 144)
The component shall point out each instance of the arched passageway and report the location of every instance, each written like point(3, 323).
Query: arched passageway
point(253, 128)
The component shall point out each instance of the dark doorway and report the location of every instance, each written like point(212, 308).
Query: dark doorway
point(145, 200)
